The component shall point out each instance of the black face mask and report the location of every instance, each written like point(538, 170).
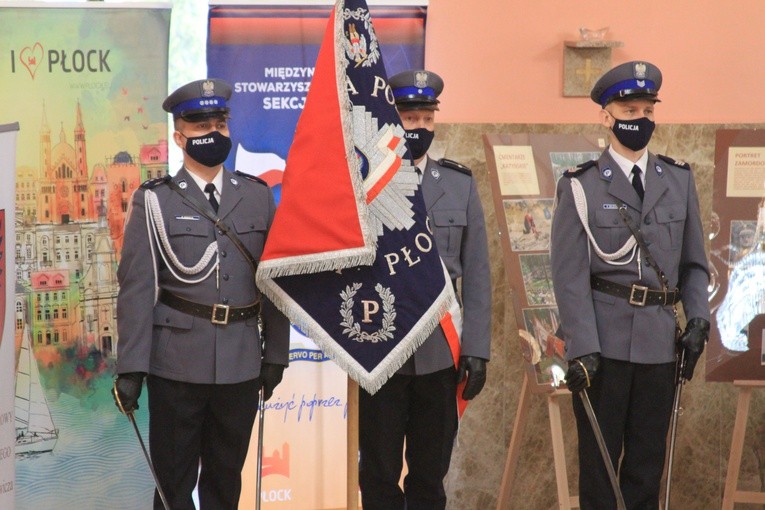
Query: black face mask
point(419, 141)
point(633, 134)
point(209, 150)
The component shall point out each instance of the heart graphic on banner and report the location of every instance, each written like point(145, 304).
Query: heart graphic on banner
point(31, 58)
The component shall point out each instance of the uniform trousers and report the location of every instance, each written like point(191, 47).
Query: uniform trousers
point(209, 424)
point(633, 404)
point(421, 409)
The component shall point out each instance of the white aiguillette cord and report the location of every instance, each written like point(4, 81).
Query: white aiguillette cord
point(156, 225)
point(580, 200)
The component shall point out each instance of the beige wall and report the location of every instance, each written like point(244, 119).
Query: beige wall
point(502, 60)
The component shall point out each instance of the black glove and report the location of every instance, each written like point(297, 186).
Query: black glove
point(693, 340)
point(270, 377)
point(475, 371)
point(582, 371)
point(126, 390)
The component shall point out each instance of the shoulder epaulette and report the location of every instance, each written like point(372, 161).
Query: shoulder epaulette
point(448, 163)
point(678, 163)
point(153, 183)
point(250, 177)
point(580, 169)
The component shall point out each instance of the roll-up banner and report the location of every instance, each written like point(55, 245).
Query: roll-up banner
point(8, 135)
point(85, 83)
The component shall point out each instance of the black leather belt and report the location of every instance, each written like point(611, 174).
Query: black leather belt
point(218, 314)
point(638, 295)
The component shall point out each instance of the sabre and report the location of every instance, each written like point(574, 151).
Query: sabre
point(558, 378)
point(261, 422)
point(676, 410)
point(143, 447)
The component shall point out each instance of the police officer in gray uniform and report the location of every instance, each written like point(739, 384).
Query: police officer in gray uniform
point(188, 308)
point(418, 403)
point(616, 308)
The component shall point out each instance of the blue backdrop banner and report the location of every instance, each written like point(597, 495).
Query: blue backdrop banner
point(268, 54)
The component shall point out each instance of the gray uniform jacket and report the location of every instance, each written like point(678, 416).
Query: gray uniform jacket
point(456, 217)
point(160, 340)
point(593, 321)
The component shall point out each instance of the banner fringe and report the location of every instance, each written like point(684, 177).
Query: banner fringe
point(314, 263)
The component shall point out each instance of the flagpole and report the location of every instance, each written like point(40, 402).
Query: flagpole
point(353, 445)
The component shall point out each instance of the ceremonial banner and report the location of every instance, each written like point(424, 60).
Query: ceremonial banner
point(349, 257)
point(8, 134)
point(86, 84)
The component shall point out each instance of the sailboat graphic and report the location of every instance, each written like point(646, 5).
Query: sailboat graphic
point(35, 432)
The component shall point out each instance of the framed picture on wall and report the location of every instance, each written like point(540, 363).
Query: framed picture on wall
point(736, 348)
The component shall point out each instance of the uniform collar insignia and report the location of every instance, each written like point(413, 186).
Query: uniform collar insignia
point(606, 174)
point(435, 173)
point(183, 184)
point(659, 171)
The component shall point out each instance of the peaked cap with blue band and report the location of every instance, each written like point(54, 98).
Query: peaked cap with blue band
point(631, 80)
point(416, 90)
point(199, 98)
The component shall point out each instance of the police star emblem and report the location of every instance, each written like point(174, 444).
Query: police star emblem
point(208, 89)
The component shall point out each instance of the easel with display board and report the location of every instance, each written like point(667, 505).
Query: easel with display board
point(736, 348)
point(732, 495)
point(523, 170)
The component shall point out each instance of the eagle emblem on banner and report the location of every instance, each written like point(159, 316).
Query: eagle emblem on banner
point(356, 42)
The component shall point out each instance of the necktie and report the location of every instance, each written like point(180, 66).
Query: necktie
point(636, 182)
point(210, 190)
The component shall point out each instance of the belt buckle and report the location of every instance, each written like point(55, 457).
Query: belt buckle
point(214, 319)
point(638, 301)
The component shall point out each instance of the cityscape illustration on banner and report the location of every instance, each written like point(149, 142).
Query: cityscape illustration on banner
point(93, 130)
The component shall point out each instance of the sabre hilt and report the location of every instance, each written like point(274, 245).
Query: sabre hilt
point(118, 400)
